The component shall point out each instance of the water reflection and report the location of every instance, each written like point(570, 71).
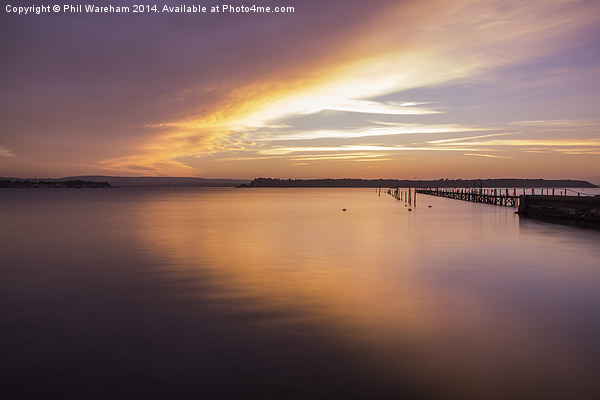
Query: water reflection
point(471, 300)
point(224, 293)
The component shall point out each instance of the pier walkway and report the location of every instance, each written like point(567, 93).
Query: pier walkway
point(499, 197)
point(489, 196)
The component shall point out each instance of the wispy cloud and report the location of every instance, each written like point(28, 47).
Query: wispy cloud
point(466, 138)
point(375, 107)
point(380, 129)
point(354, 148)
point(563, 146)
point(338, 157)
point(486, 155)
point(579, 152)
point(560, 123)
point(536, 143)
point(4, 152)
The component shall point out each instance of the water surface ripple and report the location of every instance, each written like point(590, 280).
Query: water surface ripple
point(278, 293)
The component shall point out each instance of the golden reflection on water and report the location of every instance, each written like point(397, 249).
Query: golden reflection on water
point(434, 285)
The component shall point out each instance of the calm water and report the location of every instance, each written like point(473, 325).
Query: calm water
point(278, 293)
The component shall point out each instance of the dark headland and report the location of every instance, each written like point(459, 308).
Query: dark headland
point(121, 181)
point(35, 183)
point(439, 183)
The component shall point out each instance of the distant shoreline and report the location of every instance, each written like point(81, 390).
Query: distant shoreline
point(71, 184)
point(440, 183)
point(124, 181)
point(91, 181)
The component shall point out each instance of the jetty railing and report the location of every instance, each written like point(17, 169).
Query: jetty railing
point(488, 196)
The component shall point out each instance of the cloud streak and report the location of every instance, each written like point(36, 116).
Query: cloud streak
point(4, 152)
point(359, 132)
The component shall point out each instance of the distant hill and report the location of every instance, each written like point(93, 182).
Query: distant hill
point(486, 183)
point(149, 181)
point(37, 183)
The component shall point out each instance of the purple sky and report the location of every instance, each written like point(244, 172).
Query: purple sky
point(390, 89)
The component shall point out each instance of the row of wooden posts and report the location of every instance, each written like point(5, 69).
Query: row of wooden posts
point(409, 196)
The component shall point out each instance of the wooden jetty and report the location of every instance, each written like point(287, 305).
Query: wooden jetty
point(541, 203)
point(497, 197)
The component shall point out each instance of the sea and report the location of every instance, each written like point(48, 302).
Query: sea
point(300, 293)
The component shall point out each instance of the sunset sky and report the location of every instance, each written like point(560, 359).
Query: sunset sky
point(421, 89)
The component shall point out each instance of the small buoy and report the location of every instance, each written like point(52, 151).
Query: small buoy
point(429, 206)
point(410, 209)
point(343, 209)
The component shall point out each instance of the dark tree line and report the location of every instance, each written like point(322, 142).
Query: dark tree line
point(52, 184)
point(439, 183)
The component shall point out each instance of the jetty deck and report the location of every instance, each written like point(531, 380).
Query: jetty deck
point(488, 196)
point(500, 197)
